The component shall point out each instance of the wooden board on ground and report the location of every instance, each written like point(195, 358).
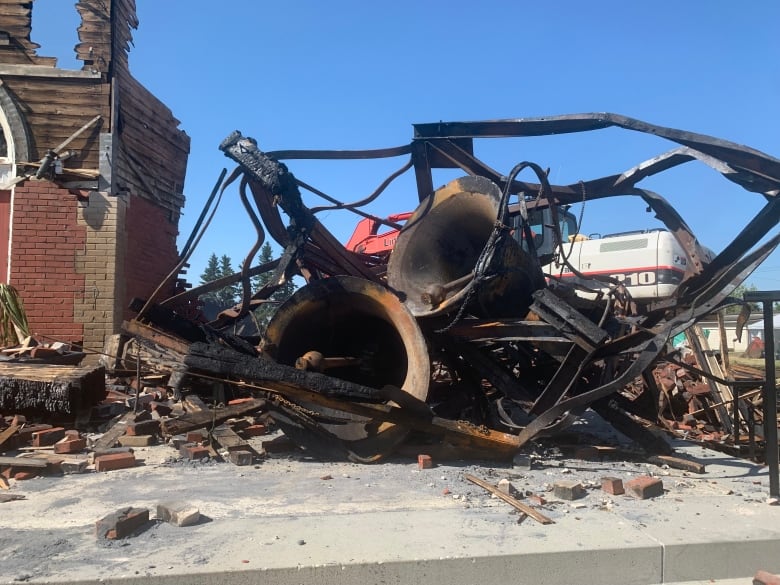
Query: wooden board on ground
point(678, 463)
point(24, 462)
point(229, 439)
point(524, 508)
point(111, 436)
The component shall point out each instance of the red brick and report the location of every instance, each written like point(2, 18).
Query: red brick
point(537, 500)
point(239, 401)
point(191, 451)
point(765, 578)
point(70, 446)
point(612, 485)
point(160, 408)
point(257, 430)
point(47, 437)
point(26, 433)
point(424, 462)
point(194, 437)
point(114, 461)
point(122, 523)
point(147, 427)
point(23, 475)
point(136, 440)
point(645, 487)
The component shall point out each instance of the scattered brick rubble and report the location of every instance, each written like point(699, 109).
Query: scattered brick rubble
point(103, 437)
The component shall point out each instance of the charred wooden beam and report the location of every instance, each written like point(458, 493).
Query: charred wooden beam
point(228, 364)
point(50, 388)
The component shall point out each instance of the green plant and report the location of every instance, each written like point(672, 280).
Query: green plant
point(13, 320)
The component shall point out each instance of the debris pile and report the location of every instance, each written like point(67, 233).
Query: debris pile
point(136, 420)
point(467, 329)
point(468, 336)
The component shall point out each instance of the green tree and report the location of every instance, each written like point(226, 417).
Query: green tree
point(739, 293)
point(265, 311)
point(218, 268)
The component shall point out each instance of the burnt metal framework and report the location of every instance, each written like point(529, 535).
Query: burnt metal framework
point(572, 356)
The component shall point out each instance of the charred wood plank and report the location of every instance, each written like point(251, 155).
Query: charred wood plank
point(221, 361)
point(169, 321)
point(349, 262)
point(650, 440)
point(8, 433)
point(494, 372)
point(24, 462)
point(261, 374)
point(272, 175)
point(111, 436)
point(677, 463)
point(203, 418)
point(506, 330)
point(228, 439)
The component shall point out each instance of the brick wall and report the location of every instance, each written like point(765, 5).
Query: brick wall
point(46, 236)
point(78, 265)
point(101, 265)
point(151, 251)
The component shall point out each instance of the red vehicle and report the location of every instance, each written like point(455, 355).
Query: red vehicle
point(650, 263)
point(366, 239)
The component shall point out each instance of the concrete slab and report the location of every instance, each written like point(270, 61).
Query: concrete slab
point(291, 519)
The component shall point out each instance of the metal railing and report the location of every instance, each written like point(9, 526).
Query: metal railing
point(768, 299)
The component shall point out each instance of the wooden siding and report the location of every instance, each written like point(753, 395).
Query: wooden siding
point(56, 107)
point(16, 21)
point(101, 48)
point(151, 145)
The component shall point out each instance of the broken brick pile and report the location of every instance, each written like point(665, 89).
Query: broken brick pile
point(30, 449)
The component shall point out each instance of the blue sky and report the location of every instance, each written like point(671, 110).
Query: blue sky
point(356, 74)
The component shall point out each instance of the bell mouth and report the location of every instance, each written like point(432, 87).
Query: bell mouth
point(435, 256)
point(360, 332)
